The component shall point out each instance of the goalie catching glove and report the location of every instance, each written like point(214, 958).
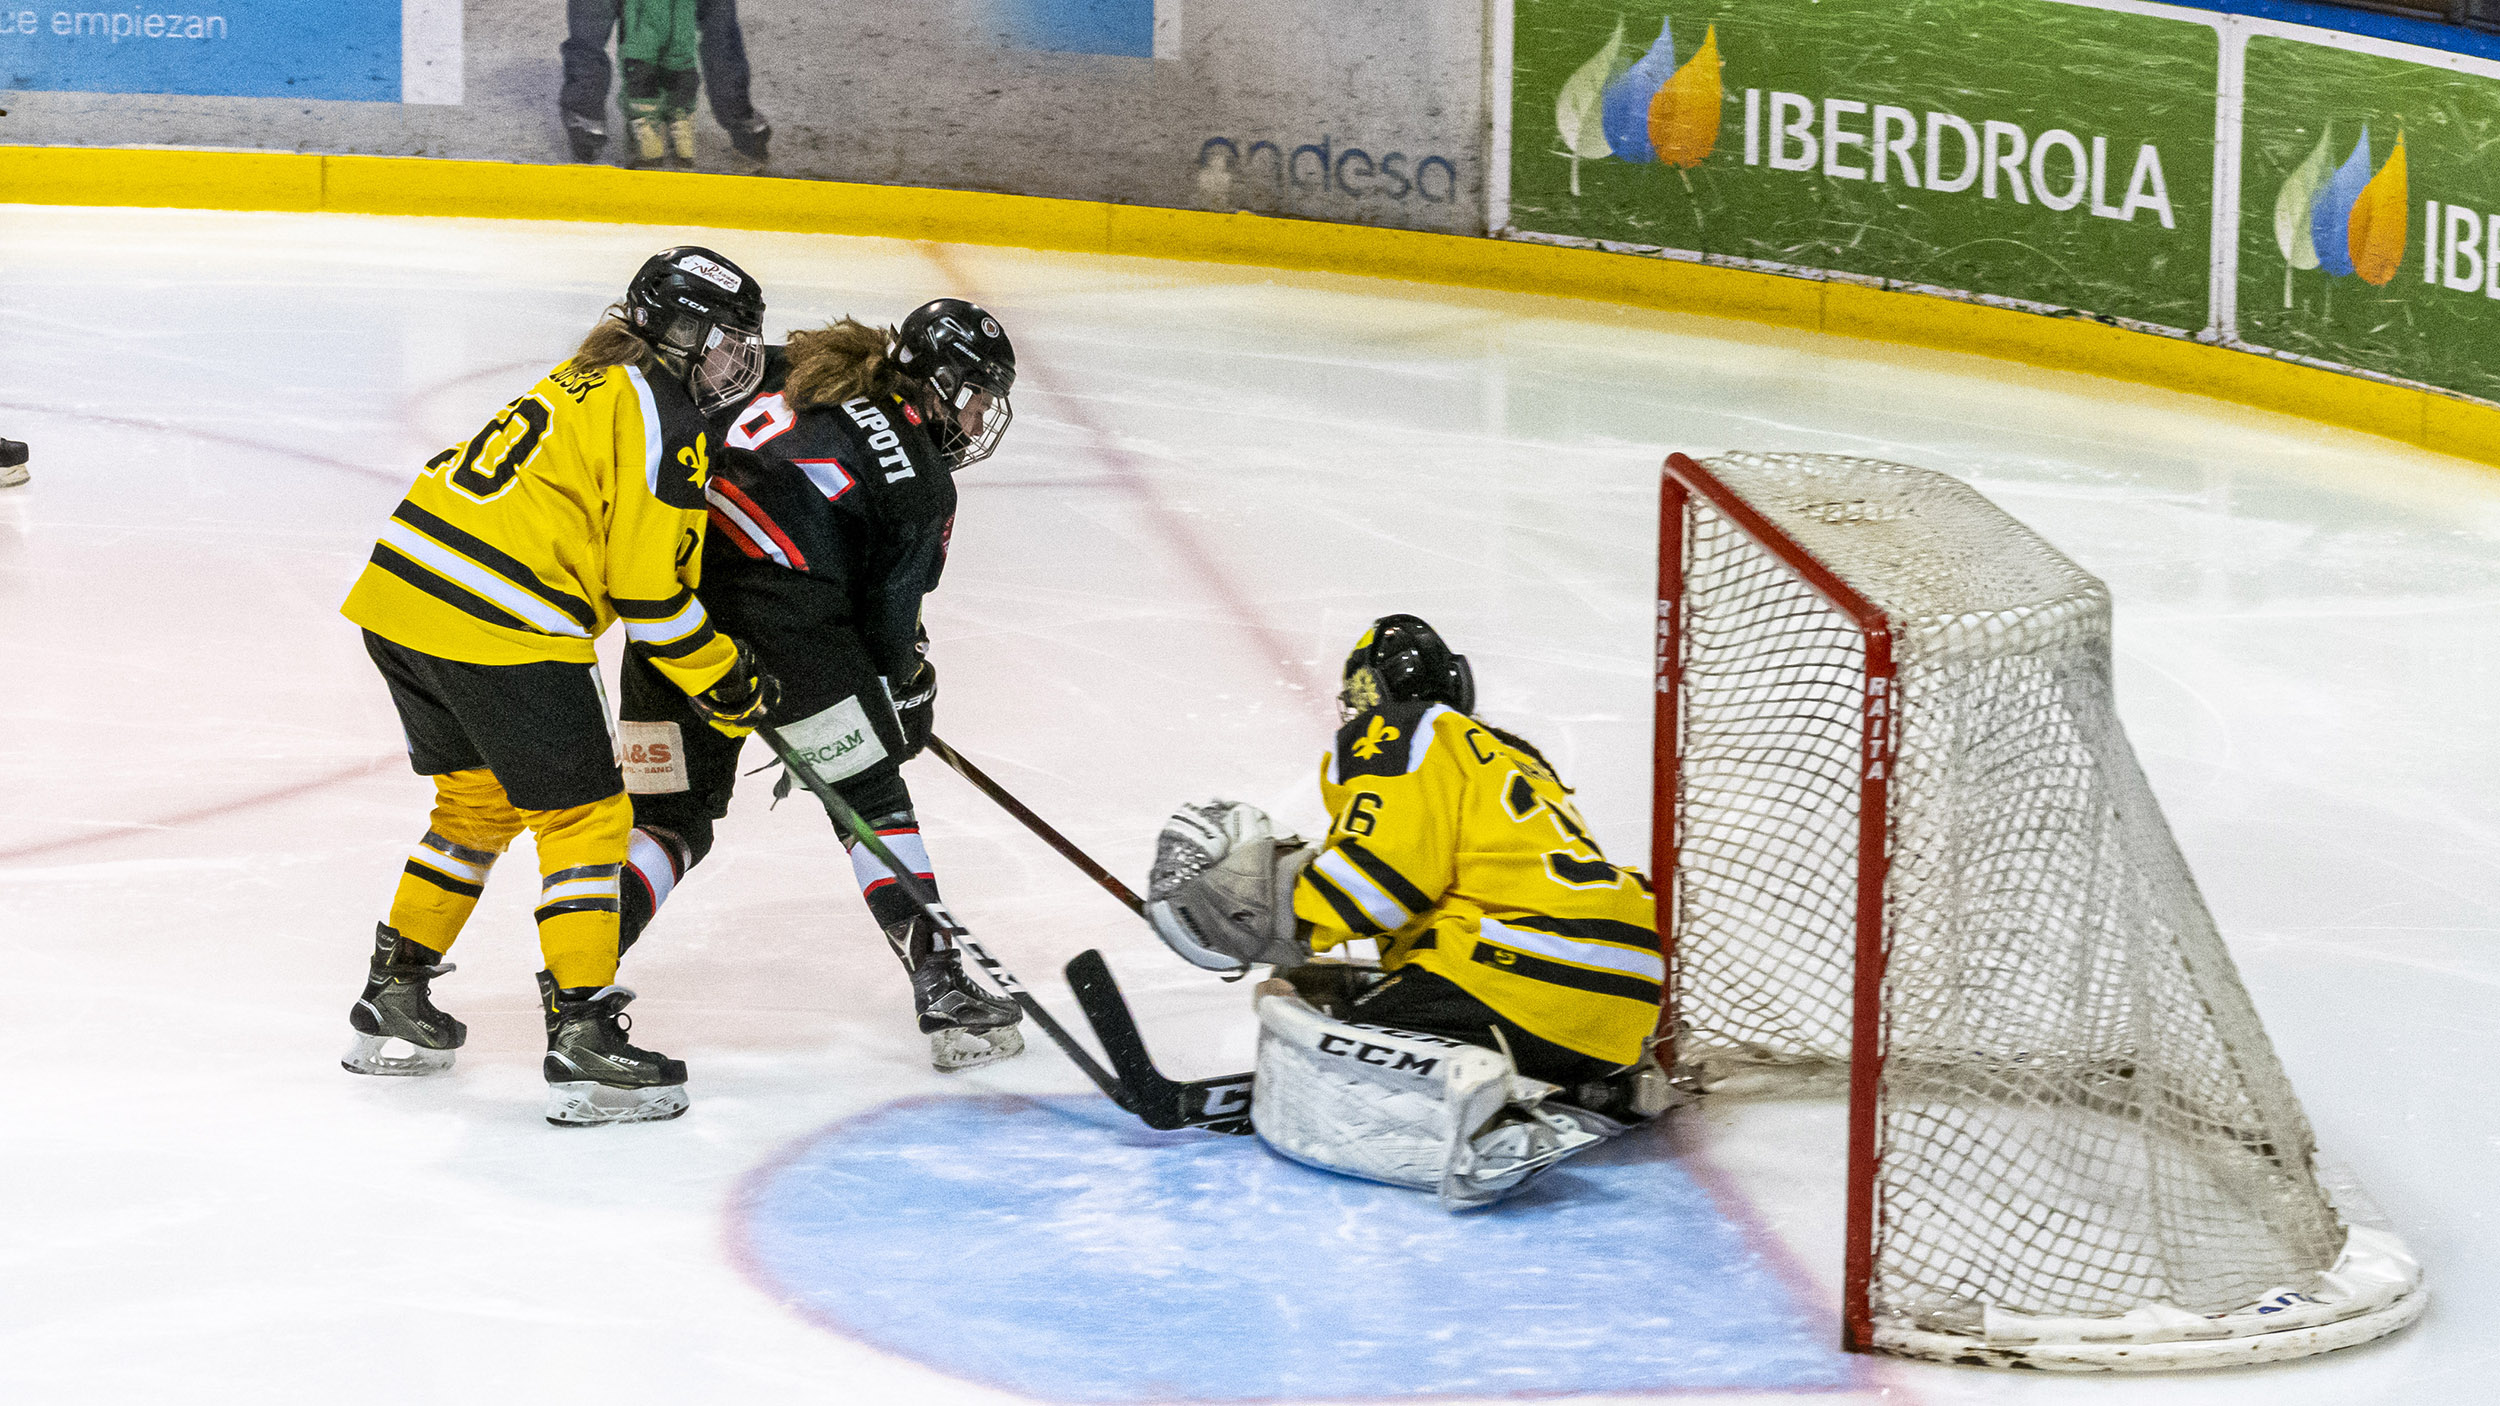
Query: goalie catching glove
point(1221, 893)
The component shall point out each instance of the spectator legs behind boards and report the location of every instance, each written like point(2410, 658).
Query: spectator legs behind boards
point(723, 54)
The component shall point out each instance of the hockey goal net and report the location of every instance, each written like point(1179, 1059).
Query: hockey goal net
point(1911, 848)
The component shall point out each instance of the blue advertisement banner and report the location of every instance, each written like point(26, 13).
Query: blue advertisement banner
point(340, 50)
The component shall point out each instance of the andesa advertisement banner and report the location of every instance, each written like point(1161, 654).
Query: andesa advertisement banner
point(1364, 114)
point(2043, 152)
point(2370, 213)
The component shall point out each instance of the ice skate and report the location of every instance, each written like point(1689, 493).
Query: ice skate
point(681, 140)
point(966, 1025)
point(593, 1075)
point(12, 463)
point(1632, 1095)
point(398, 1029)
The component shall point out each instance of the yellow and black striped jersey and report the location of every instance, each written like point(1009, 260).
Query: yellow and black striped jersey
point(579, 504)
point(1464, 856)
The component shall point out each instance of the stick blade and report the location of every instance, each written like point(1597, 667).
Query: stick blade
point(1219, 1104)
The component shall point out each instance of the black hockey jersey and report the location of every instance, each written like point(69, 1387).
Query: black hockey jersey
point(840, 524)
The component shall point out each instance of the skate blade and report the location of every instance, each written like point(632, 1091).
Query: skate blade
point(965, 1048)
point(389, 1054)
point(13, 475)
point(584, 1103)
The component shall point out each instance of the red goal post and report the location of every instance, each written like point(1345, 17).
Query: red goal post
point(2045, 1168)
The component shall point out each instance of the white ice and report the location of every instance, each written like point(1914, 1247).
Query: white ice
point(1216, 476)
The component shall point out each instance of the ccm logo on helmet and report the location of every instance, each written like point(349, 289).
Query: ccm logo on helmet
point(710, 272)
point(1363, 1052)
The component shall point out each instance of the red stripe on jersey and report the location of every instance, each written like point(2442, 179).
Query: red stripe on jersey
point(737, 536)
point(772, 529)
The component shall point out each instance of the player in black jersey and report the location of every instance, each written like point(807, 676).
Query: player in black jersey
point(822, 542)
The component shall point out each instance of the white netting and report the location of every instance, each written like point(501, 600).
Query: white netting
point(2080, 1114)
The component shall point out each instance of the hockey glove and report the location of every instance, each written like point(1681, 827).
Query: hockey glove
point(742, 698)
point(915, 707)
point(1221, 894)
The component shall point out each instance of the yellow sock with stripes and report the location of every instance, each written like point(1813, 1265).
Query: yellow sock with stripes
point(581, 851)
point(439, 887)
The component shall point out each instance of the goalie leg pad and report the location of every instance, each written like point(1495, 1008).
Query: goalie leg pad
point(1401, 1107)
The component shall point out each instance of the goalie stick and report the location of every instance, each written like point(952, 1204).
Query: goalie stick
point(1219, 1105)
point(860, 830)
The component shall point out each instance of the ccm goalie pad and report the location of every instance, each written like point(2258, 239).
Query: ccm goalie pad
point(1221, 893)
point(1402, 1107)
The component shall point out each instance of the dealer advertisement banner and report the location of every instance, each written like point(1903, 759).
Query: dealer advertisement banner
point(323, 50)
point(1365, 114)
point(2370, 213)
point(2042, 152)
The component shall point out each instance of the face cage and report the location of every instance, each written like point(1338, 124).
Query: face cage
point(963, 450)
point(731, 368)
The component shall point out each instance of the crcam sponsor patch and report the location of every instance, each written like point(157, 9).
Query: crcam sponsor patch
point(710, 272)
point(837, 742)
point(654, 757)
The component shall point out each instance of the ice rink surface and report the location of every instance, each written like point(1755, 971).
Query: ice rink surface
point(1215, 478)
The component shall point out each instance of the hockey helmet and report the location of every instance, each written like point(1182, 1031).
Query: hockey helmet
point(961, 352)
point(705, 318)
point(1400, 659)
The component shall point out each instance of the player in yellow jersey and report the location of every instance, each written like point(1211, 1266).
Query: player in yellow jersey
point(578, 505)
point(1517, 963)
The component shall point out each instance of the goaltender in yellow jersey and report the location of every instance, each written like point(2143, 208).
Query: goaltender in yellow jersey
point(1460, 851)
point(1509, 1022)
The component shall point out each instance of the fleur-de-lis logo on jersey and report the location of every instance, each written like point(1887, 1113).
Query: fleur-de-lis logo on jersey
point(697, 460)
point(1368, 745)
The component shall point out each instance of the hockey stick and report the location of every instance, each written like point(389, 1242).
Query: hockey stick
point(1219, 1105)
point(1067, 850)
point(919, 893)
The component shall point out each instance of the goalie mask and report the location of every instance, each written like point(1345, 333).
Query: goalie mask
point(964, 356)
point(1400, 659)
point(704, 318)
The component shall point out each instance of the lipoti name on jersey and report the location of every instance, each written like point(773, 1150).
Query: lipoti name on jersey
point(881, 436)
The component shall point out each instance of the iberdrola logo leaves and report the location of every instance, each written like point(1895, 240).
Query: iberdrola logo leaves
point(2379, 220)
point(2329, 219)
point(2350, 223)
point(1576, 109)
point(1628, 94)
point(1645, 110)
point(1684, 117)
point(2291, 211)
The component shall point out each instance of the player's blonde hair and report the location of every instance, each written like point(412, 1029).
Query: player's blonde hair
point(840, 360)
point(611, 343)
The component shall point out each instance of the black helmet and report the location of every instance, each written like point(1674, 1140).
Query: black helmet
point(1400, 659)
point(960, 351)
point(705, 318)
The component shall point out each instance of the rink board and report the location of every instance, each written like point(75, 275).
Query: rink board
point(1055, 1248)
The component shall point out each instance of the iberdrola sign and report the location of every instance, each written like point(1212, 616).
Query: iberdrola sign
point(2046, 153)
point(2370, 211)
